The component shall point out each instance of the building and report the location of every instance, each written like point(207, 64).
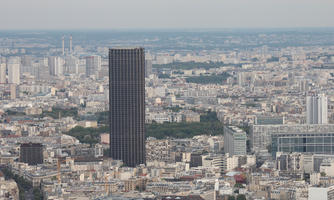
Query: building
point(56, 65)
point(13, 66)
point(2, 73)
point(265, 120)
point(148, 67)
point(195, 159)
point(93, 65)
point(316, 109)
point(234, 141)
point(127, 105)
point(31, 153)
point(260, 135)
point(71, 49)
point(317, 193)
point(71, 65)
point(8, 188)
point(317, 139)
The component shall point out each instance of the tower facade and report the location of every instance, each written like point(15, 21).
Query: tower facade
point(2, 73)
point(127, 105)
point(31, 153)
point(316, 109)
point(63, 45)
point(71, 44)
point(56, 65)
point(14, 70)
point(93, 65)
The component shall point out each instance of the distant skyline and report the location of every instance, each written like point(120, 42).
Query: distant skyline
point(164, 14)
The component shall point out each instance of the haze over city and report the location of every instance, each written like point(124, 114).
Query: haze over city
point(157, 14)
point(167, 100)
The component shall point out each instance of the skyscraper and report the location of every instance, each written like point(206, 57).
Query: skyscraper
point(63, 45)
point(127, 105)
point(70, 44)
point(148, 67)
point(316, 109)
point(93, 65)
point(2, 72)
point(14, 70)
point(56, 66)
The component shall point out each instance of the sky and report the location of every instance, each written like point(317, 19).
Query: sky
point(164, 14)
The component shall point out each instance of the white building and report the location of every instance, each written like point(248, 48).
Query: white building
point(3, 73)
point(317, 193)
point(14, 70)
point(71, 65)
point(316, 109)
point(234, 141)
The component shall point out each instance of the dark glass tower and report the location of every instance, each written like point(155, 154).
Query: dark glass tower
point(127, 105)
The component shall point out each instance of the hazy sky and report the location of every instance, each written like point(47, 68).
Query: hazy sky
point(154, 14)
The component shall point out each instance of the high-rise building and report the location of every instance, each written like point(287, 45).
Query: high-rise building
point(56, 66)
point(13, 65)
point(127, 105)
point(93, 65)
point(316, 109)
point(31, 153)
point(2, 73)
point(70, 44)
point(63, 45)
point(71, 65)
point(234, 141)
point(148, 67)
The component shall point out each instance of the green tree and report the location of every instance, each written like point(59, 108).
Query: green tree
point(231, 197)
point(209, 117)
point(37, 194)
point(212, 79)
point(183, 130)
point(241, 197)
point(238, 185)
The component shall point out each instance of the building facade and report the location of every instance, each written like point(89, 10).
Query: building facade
point(13, 67)
point(234, 141)
point(316, 109)
point(261, 135)
point(127, 105)
point(325, 193)
point(305, 142)
point(31, 153)
point(266, 120)
point(2, 73)
point(93, 65)
point(56, 66)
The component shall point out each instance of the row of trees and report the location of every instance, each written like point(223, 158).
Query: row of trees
point(175, 130)
point(60, 112)
point(183, 130)
point(191, 65)
point(209, 124)
point(213, 79)
point(88, 135)
point(239, 197)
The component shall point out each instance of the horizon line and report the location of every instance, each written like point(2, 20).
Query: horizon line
point(171, 29)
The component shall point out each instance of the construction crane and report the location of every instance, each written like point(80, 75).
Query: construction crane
point(59, 161)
